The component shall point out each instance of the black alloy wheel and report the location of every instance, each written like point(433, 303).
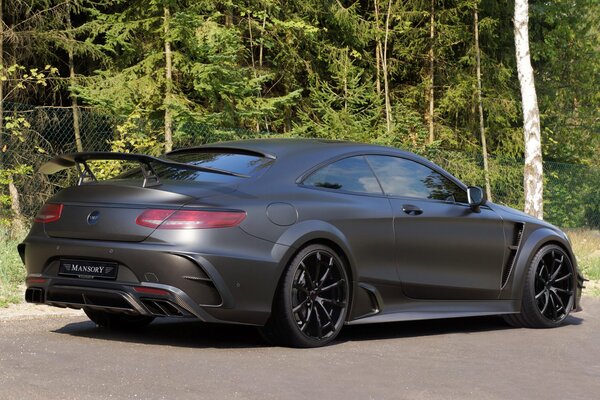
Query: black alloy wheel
point(318, 295)
point(312, 302)
point(548, 292)
point(554, 285)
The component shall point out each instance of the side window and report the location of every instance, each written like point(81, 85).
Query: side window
point(351, 174)
point(401, 177)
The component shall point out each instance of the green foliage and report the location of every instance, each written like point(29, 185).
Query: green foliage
point(16, 127)
point(572, 195)
point(565, 53)
point(211, 80)
point(314, 68)
point(311, 67)
point(20, 77)
point(591, 199)
point(12, 271)
point(344, 106)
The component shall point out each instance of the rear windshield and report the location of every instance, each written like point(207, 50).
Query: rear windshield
point(243, 164)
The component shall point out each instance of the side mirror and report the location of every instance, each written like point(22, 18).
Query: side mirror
point(476, 197)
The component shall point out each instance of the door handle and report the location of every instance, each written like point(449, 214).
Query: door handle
point(411, 210)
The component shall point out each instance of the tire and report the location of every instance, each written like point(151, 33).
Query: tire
point(118, 321)
point(548, 291)
point(511, 319)
point(311, 302)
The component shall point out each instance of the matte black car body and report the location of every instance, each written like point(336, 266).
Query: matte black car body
point(448, 260)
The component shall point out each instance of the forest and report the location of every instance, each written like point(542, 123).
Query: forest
point(436, 77)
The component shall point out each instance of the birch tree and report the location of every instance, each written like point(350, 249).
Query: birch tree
point(533, 171)
point(384, 64)
point(72, 81)
point(431, 72)
point(484, 153)
point(168, 81)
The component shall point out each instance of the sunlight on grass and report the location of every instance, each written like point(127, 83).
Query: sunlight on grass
point(586, 245)
point(12, 272)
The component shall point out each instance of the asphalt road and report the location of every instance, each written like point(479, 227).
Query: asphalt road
point(478, 358)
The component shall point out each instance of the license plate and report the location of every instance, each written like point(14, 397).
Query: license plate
point(88, 269)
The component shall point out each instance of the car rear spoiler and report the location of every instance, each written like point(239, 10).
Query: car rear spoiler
point(79, 160)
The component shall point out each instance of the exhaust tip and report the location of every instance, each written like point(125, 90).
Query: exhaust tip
point(34, 295)
point(162, 308)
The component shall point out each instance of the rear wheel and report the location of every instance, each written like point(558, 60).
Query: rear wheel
point(117, 321)
point(548, 292)
point(312, 300)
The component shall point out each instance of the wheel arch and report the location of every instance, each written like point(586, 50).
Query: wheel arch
point(306, 233)
point(535, 240)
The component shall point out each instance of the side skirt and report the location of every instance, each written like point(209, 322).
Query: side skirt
point(419, 310)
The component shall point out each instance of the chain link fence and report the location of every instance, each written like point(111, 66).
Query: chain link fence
point(34, 134)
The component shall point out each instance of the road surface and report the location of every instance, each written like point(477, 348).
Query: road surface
point(67, 357)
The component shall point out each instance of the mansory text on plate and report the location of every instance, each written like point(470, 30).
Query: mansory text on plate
point(296, 236)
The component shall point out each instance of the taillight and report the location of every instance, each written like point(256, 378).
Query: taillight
point(149, 290)
point(189, 219)
point(36, 280)
point(153, 218)
point(49, 213)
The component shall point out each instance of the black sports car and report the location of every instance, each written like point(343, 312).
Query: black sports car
point(296, 236)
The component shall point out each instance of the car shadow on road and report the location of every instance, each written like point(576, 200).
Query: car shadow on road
point(173, 332)
point(431, 328)
point(193, 334)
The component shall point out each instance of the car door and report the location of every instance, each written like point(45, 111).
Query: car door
point(351, 199)
point(445, 250)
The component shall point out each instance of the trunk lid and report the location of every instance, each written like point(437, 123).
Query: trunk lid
point(108, 210)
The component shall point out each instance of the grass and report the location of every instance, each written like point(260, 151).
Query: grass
point(12, 272)
point(585, 242)
point(586, 245)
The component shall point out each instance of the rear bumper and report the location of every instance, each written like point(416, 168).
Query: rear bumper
point(214, 275)
point(166, 301)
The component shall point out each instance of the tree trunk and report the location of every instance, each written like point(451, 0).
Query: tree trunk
point(257, 124)
point(262, 36)
point(260, 55)
point(17, 224)
point(228, 17)
point(486, 170)
point(377, 50)
point(74, 105)
point(431, 72)
point(533, 171)
point(1, 85)
point(386, 90)
point(168, 83)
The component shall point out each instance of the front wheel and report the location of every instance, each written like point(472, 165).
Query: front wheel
point(548, 292)
point(312, 300)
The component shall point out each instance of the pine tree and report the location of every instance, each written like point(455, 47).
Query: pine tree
point(345, 106)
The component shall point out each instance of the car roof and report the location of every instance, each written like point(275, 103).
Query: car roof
point(283, 147)
point(298, 154)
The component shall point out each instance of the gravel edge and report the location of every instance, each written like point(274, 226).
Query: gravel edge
point(27, 311)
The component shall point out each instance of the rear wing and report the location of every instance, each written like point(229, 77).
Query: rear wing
point(79, 160)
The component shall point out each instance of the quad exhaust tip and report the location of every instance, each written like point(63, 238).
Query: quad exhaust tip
point(34, 295)
point(163, 308)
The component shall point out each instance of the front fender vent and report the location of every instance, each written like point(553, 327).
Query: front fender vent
point(513, 248)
